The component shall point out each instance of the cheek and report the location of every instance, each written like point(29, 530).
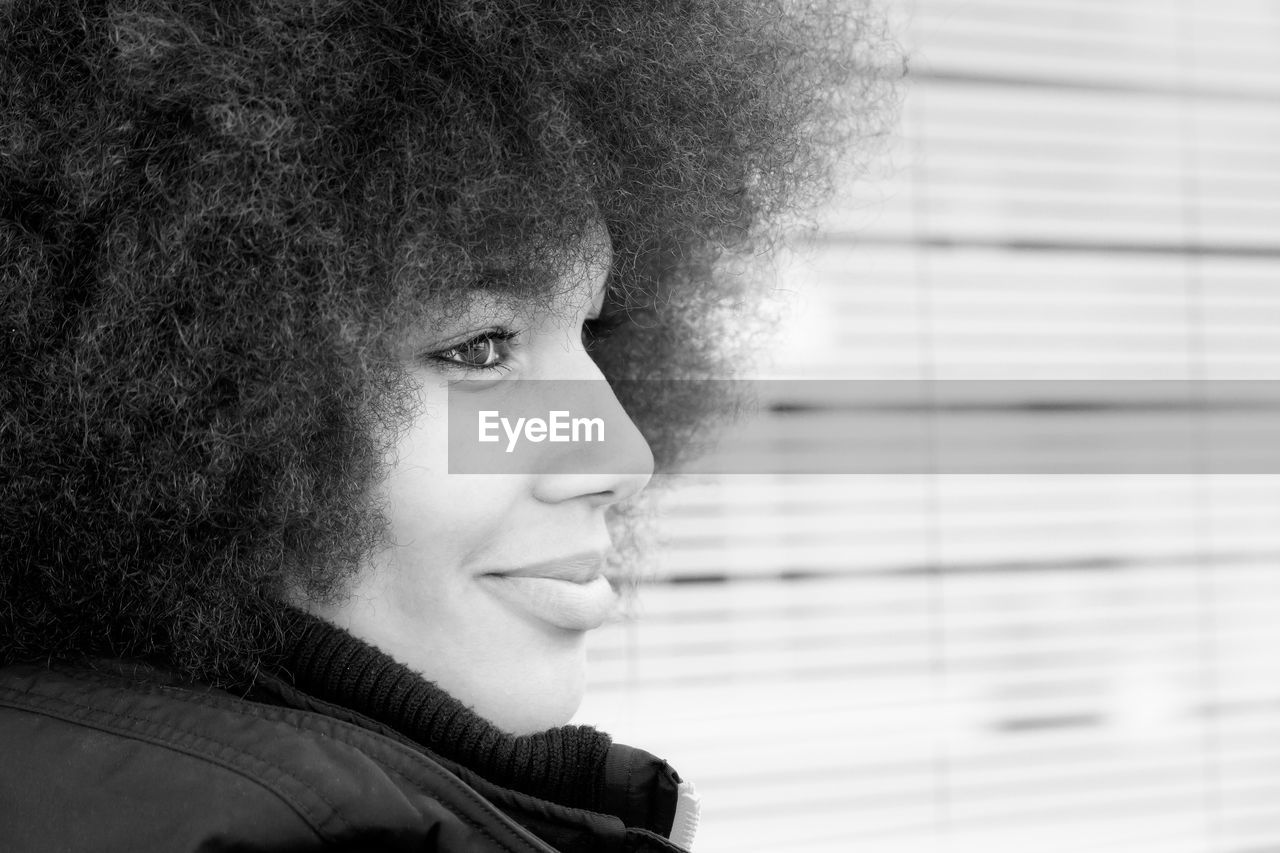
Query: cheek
point(441, 522)
point(449, 515)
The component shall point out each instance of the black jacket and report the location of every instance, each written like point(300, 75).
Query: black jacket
point(118, 756)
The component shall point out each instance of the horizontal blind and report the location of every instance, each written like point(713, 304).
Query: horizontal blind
point(1084, 190)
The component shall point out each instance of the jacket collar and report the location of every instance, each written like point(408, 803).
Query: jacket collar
point(573, 766)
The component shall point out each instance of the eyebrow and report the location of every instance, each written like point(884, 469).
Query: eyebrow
point(489, 283)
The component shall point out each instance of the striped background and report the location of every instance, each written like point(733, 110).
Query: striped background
point(1081, 189)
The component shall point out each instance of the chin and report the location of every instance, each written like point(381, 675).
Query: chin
point(536, 705)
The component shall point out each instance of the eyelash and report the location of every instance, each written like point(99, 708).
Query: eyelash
point(496, 337)
point(594, 332)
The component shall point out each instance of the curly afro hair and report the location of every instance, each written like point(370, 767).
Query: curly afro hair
point(215, 217)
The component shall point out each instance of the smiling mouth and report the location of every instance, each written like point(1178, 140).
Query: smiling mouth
point(571, 595)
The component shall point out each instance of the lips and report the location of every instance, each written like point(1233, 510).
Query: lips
point(570, 594)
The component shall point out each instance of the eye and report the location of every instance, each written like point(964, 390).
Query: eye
point(489, 350)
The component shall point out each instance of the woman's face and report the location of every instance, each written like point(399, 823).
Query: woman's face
point(491, 581)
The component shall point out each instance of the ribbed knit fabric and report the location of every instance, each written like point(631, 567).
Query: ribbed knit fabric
point(565, 765)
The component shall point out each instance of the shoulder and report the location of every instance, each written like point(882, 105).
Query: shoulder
point(99, 760)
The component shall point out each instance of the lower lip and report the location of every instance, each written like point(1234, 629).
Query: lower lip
point(561, 603)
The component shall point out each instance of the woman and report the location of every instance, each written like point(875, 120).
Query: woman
point(258, 260)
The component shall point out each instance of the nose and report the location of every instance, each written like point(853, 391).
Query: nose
point(604, 465)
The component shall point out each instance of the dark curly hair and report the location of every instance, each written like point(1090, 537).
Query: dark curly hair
point(215, 217)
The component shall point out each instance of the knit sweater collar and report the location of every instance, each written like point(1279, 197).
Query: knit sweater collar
point(575, 766)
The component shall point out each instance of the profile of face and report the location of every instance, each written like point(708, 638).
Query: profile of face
point(491, 581)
